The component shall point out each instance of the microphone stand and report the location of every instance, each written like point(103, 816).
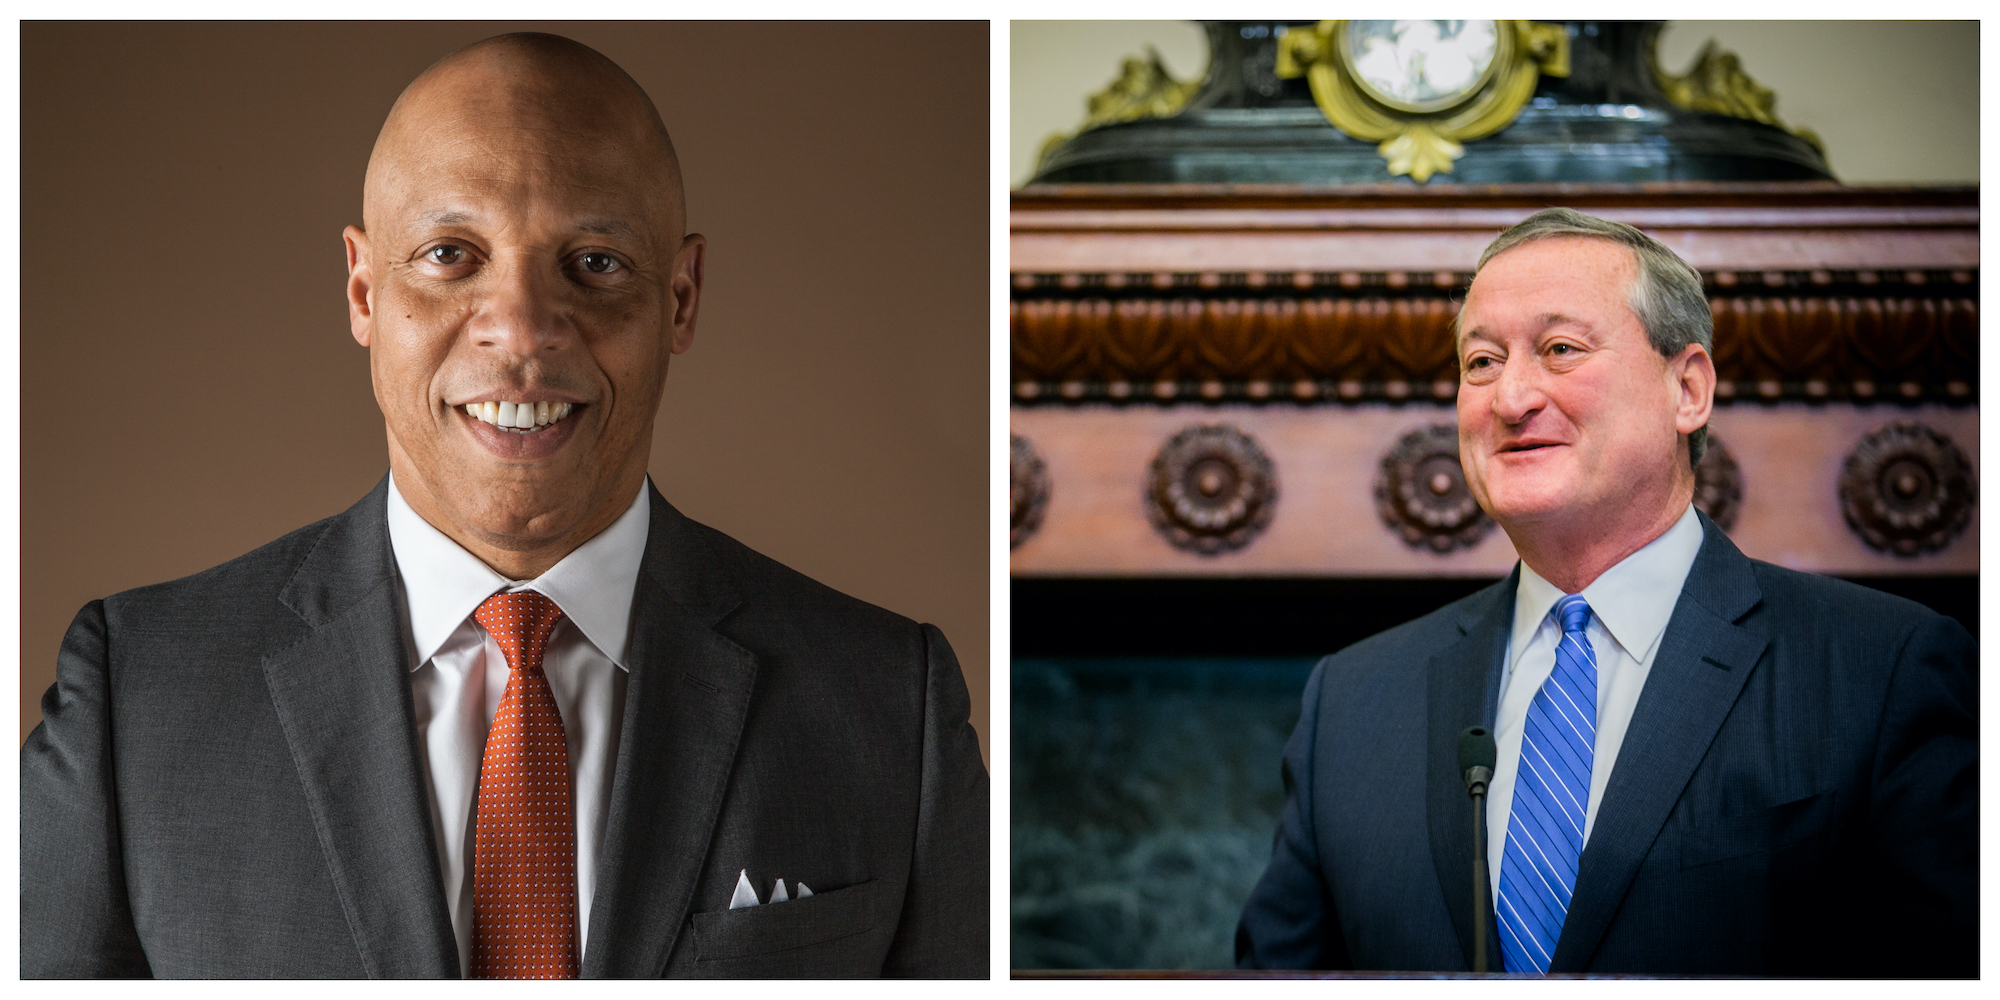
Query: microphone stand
point(1477, 780)
point(1476, 755)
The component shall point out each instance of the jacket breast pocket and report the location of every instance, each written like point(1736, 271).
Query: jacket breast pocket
point(1780, 826)
point(841, 933)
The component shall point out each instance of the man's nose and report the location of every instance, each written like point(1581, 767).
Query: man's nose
point(521, 309)
point(1518, 393)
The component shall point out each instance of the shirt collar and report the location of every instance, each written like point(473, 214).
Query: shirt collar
point(1625, 598)
point(443, 584)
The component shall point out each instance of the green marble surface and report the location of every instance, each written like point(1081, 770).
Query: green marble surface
point(1145, 793)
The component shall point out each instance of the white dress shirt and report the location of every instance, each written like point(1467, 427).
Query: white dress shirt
point(461, 674)
point(1630, 605)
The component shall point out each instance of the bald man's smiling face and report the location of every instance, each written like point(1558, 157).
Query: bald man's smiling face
point(522, 259)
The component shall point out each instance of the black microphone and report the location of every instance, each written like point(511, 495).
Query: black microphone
point(1476, 755)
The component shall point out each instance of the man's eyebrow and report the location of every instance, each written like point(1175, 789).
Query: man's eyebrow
point(1560, 319)
point(445, 217)
point(1547, 321)
point(608, 227)
point(598, 227)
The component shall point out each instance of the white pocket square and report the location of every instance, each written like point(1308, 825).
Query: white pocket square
point(746, 896)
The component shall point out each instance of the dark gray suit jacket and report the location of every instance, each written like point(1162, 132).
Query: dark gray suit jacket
point(1797, 793)
point(227, 780)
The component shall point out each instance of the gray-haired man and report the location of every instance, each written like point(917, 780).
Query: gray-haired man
point(1706, 765)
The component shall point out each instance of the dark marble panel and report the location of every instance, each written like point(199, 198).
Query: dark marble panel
point(1145, 793)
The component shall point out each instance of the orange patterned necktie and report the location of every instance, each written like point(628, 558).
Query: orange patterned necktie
point(524, 848)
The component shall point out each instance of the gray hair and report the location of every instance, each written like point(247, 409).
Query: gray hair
point(1666, 294)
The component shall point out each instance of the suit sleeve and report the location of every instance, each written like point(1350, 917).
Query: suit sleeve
point(943, 932)
point(75, 919)
point(1289, 921)
point(1924, 808)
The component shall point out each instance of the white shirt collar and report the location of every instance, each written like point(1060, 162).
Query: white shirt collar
point(1625, 599)
point(443, 584)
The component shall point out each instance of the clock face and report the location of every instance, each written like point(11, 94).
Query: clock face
point(1420, 65)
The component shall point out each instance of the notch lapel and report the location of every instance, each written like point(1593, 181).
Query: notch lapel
point(1462, 689)
point(687, 695)
point(1703, 663)
point(342, 697)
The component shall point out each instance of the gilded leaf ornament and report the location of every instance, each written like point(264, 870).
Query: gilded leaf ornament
point(1419, 153)
point(1717, 84)
point(1144, 88)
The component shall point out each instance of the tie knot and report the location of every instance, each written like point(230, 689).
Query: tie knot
point(1574, 612)
point(520, 623)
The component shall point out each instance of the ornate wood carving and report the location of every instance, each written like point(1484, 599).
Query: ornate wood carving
point(1027, 489)
point(1906, 489)
point(1212, 490)
point(1351, 336)
point(1718, 484)
point(1422, 495)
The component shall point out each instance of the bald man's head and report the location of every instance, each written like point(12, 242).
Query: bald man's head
point(521, 278)
point(533, 86)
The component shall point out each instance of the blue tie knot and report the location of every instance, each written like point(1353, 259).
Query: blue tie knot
point(1575, 612)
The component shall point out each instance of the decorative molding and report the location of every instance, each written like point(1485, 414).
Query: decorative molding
point(1718, 484)
point(1212, 490)
point(1906, 489)
point(1027, 490)
point(1330, 523)
point(1422, 494)
point(1737, 229)
point(1860, 336)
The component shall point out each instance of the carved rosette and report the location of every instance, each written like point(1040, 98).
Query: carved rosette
point(1212, 490)
point(1718, 485)
point(1906, 489)
point(1422, 494)
point(1027, 490)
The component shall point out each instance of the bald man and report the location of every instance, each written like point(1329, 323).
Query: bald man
point(511, 715)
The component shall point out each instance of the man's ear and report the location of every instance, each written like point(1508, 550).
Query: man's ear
point(686, 287)
point(1694, 380)
point(360, 285)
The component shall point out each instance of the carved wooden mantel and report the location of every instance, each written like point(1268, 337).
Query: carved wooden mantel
point(1314, 325)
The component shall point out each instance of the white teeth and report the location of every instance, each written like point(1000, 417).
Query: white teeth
point(518, 416)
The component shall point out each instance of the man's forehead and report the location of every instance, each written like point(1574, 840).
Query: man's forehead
point(1569, 282)
point(575, 192)
point(515, 127)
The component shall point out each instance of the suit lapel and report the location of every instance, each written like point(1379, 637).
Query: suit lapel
point(1703, 663)
point(687, 695)
point(342, 697)
point(1462, 686)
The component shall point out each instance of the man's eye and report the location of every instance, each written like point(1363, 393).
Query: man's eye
point(598, 263)
point(1561, 349)
point(447, 255)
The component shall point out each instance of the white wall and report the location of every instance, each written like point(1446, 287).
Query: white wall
point(1896, 102)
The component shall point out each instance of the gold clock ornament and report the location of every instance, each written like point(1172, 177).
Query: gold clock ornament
point(1421, 88)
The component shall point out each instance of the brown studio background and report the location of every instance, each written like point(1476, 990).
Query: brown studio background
point(190, 390)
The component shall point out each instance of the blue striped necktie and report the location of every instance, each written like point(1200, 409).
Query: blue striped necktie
point(1545, 825)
